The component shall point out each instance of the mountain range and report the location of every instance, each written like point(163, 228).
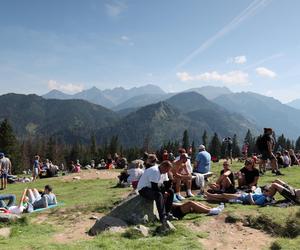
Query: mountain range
point(147, 113)
point(166, 120)
point(295, 104)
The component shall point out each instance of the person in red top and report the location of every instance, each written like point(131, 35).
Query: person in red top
point(165, 155)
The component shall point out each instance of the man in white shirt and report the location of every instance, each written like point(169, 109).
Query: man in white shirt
point(148, 187)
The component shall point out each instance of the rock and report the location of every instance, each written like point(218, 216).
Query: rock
point(117, 229)
point(136, 210)
point(8, 217)
point(105, 223)
point(5, 232)
point(142, 230)
point(166, 228)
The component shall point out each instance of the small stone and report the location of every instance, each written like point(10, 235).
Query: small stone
point(5, 232)
point(144, 231)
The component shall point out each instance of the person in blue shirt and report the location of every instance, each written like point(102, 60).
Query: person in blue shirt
point(256, 198)
point(202, 162)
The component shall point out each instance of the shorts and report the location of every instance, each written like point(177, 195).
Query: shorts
point(266, 155)
point(289, 194)
point(35, 172)
point(244, 198)
point(3, 175)
point(176, 211)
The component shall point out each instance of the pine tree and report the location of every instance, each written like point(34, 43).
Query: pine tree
point(297, 146)
point(9, 145)
point(185, 140)
point(281, 143)
point(205, 139)
point(215, 146)
point(251, 142)
point(236, 152)
point(114, 145)
point(93, 147)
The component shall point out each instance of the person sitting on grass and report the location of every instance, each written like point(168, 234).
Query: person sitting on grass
point(245, 198)
point(181, 174)
point(287, 191)
point(180, 210)
point(294, 160)
point(248, 176)
point(37, 200)
point(225, 183)
point(148, 187)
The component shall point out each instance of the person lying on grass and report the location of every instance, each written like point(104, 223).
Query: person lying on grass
point(287, 191)
point(10, 206)
point(225, 183)
point(180, 210)
point(245, 198)
point(43, 200)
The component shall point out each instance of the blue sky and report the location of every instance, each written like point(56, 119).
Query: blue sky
point(74, 45)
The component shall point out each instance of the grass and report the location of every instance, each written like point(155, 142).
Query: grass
point(85, 197)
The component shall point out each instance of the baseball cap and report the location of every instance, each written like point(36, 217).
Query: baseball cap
point(201, 147)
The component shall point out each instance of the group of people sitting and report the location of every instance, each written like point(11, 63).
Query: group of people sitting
point(44, 169)
point(31, 200)
point(162, 183)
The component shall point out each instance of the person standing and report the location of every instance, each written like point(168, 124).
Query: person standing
point(202, 162)
point(265, 144)
point(36, 167)
point(5, 170)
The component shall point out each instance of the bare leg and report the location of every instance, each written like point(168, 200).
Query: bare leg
point(274, 164)
point(221, 197)
point(226, 183)
point(194, 207)
point(241, 180)
point(177, 185)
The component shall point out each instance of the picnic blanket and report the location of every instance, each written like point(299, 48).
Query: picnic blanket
point(51, 206)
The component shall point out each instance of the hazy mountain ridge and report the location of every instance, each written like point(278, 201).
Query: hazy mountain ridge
point(263, 111)
point(73, 120)
point(294, 104)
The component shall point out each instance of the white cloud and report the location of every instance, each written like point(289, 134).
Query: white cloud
point(115, 8)
point(237, 60)
point(264, 72)
point(229, 79)
point(125, 38)
point(65, 87)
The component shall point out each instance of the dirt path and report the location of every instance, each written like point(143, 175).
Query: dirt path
point(228, 236)
point(92, 174)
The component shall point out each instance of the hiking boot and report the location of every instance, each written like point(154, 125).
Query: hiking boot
point(171, 217)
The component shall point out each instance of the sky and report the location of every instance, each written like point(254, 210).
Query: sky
point(246, 45)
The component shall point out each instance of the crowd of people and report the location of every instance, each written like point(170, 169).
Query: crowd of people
point(163, 182)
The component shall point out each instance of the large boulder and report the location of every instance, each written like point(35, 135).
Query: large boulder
point(133, 211)
point(105, 223)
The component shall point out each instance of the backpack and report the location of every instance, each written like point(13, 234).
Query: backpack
point(261, 144)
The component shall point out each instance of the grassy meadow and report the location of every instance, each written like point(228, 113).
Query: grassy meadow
point(64, 227)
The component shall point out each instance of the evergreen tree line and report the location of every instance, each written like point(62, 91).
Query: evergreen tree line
point(22, 151)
